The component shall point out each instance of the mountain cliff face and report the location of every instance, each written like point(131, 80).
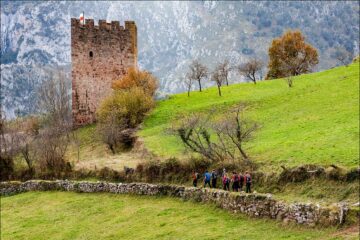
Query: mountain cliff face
point(35, 35)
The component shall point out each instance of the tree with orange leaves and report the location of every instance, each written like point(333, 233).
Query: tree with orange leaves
point(290, 55)
point(137, 78)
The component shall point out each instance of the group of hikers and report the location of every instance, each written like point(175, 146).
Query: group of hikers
point(237, 180)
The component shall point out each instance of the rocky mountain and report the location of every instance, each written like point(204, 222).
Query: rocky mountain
point(36, 35)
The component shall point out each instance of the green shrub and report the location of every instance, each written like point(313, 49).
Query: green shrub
point(120, 114)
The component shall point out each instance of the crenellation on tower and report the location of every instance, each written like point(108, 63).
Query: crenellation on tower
point(89, 23)
point(100, 54)
point(115, 25)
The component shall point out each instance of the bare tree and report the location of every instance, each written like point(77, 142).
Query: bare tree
point(53, 140)
point(195, 135)
point(343, 56)
point(289, 81)
point(251, 69)
point(198, 72)
point(224, 68)
point(237, 130)
point(217, 140)
point(16, 139)
point(188, 82)
point(115, 134)
point(51, 146)
point(7, 150)
point(25, 146)
point(218, 78)
point(54, 99)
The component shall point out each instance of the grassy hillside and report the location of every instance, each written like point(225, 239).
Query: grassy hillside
point(94, 154)
point(60, 215)
point(316, 121)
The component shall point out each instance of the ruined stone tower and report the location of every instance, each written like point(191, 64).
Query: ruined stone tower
point(99, 55)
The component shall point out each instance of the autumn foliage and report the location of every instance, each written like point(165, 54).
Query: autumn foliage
point(120, 113)
point(127, 107)
point(137, 78)
point(290, 55)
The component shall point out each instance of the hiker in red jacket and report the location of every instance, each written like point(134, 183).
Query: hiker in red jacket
point(226, 182)
point(195, 177)
point(235, 180)
point(241, 182)
point(248, 182)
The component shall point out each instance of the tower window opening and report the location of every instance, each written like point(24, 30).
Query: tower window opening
point(91, 54)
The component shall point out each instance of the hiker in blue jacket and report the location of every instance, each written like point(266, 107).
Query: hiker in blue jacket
point(207, 178)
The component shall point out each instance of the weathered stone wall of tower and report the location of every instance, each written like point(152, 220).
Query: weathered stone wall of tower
point(99, 54)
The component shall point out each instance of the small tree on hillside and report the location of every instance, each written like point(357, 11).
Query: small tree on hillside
point(28, 132)
point(219, 139)
point(54, 102)
point(187, 79)
point(343, 56)
point(251, 69)
point(54, 99)
point(224, 69)
point(198, 72)
point(218, 78)
point(235, 130)
point(119, 115)
point(7, 149)
point(290, 55)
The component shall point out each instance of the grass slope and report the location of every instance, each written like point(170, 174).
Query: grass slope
point(61, 215)
point(94, 154)
point(316, 121)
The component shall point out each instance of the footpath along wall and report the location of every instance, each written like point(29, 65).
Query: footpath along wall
point(255, 205)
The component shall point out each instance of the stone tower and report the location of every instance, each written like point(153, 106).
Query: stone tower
point(99, 55)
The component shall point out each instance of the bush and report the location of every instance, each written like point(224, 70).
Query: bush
point(51, 146)
point(353, 174)
point(120, 114)
point(199, 164)
point(171, 165)
point(6, 168)
point(335, 173)
point(152, 170)
point(137, 79)
point(127, 107)
point(301, 173)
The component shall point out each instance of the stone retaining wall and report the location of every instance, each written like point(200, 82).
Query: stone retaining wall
point(255, 205)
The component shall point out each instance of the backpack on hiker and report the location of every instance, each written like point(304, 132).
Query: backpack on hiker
point(242, 179)
point(197, 176)
point(226, 180)
point(214, 176)
point(236, 178)
point(248, 179)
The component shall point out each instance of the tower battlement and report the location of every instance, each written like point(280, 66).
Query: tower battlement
point(103, 25)
point(100, 54)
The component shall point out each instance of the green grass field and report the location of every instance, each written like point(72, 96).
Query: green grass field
point(61, 215)
point(316, 121)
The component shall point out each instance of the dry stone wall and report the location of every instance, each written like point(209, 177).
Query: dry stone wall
point(255, 205)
